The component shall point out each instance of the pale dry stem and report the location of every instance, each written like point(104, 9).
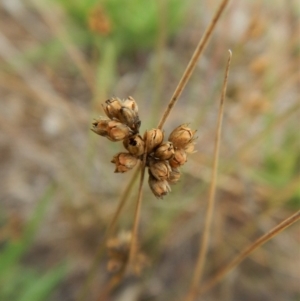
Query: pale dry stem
point(114, 282)
point(210, 206)
point(109, 231)
point(134, 238)
point(122, 203)
point(192, 64)
point(247, 251)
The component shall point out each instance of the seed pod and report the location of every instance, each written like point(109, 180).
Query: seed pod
point(118, 131)
point(111, 129)
point(124, 162)
point(181, 136)
point(160, 170)
point(135, 145)
point(190, 148)
point(131, 104)
point(129, 117)
point(178, 159)
point(112, 107)
point(154, 138)
point(159, 188)
point(114, 265)
point(100, 127)
point(174, 176)
point(118, 251)
point(165, 151)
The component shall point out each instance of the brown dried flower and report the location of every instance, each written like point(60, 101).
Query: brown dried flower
point(130, 118)
point(159, 188)
point(154, 138)
point(182, 136)
point(165, 151)
point(160, 170)
point(112, 107)
point(178, 159)
point(124, 162)
point(118, 253)
point(135, 145)
point(98, 21)
point(124, 111)
point(189, 148)
point(131, 104)
point(174, 176)
point(111, 129)
point(162, 158)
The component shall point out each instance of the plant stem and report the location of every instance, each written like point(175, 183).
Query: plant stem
point(124, 199)
point(247, 251)
point(191, 66)
point(110, 229)
point(134, 239)
point(210, 206)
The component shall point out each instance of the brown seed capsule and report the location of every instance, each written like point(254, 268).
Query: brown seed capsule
point(98, 21)
point(165, 151)
point(130, 104)
point(160, 170)
point(174, 176)
point(100, 127)
point(159, 188)
point(178, 159)
point(189, 149)
point(154, 138)
point(135, 145)
point(129, 117)
point(112, 107)
point(124, 162)
point(114, 265)
point(181, 136)
point(118, 251)
point(111, 129)
point(118, 131)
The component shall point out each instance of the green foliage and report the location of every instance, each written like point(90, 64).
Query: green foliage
point(134, 23)
point(282, 166)
point(17, 282)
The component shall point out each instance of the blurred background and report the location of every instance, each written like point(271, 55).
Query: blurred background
point(60, 60)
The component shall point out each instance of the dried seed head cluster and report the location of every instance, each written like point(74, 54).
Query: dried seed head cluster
point(118, 252)
point(164, 158)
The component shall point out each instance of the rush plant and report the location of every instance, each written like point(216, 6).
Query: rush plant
point(162, 158)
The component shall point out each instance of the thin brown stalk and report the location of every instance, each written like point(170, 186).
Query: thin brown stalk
point(191, 66)
point(109, 231)
point(134, 238)
point(122, 203)
point(134, 241)
point(211, 199)
point(247, 251)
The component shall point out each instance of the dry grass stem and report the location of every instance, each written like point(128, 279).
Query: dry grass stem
point(109, 231)
point(122, 203)
point(133, 245)
point(191, 66)
point(247, 251)
point(209, 213)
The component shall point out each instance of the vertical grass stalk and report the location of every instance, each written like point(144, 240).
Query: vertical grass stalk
point(134, 239)
point(192, 64)
point(209, 213)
